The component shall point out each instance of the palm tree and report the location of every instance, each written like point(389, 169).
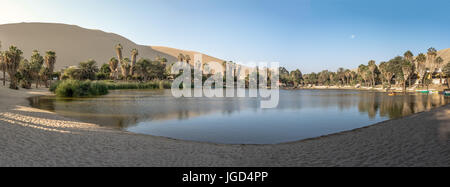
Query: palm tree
point(88, 69)
point(113, 65)
point(341, 75)
point(2, 65)
point(362, 71)
point(432, 53)
point(421, 67)
point(353, 75)
point(438, 63)
point(409, 56)
point(446, 72)
point(134, 54)
point(348, 75)
point(119, 49)
point(407, 69)
point(50, 60)
point(188, 59)
point(126, 68)
point(181, 57)
point(142, 67)
point(372, 67)
point(12, 60)
point(36, 65)
point(25, 74)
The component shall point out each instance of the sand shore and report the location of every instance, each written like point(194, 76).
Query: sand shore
point(32, 137)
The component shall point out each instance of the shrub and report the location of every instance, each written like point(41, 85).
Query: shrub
point(75, 88)
point(54, 85)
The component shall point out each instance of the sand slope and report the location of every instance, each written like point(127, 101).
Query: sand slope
point(74, 44)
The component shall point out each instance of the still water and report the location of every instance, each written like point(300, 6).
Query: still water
point(301, 114)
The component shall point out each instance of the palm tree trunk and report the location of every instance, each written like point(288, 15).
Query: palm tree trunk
point(404, 86)
point(409, 79)
point(448, 82)
point(4, 77)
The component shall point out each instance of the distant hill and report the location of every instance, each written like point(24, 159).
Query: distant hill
point(175, 52)
point(444, 54)
point(74, 44)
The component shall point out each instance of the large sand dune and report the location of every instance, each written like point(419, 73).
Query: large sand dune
point(74, 44)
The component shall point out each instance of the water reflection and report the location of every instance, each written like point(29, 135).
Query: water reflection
point(301, 114)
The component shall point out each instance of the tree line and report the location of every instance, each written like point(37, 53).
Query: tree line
point(23, 72)
point(402, 71)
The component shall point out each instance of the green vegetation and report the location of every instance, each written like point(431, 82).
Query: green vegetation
point(76, 88)
point(134, 85)
point(130, 73)
point(87, 88)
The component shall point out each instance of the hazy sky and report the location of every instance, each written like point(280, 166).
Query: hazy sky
point(308, 34)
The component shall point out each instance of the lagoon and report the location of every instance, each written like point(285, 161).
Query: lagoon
point(301, 114)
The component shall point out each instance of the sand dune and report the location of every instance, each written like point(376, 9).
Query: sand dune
point(444, 54)
point(74, 44)
point(175, 52)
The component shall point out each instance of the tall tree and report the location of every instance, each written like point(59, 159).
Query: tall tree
point(142, 68)
point(296, 77)
point(348, 76)
point(25, 74)
point(188, 59)
point(36, 63)
point(372, 67)
point(134, 54)
point(119, 54)
point(362, 72)
point(181, 57)
point(432, 53)
point(2, 64)
point(12, 59)
point(47, 72)
point(421, 67)
point(409, 56)
point(407, 69)
point(446, 72)
point(126, 67)
point(438, 64)
point(88, 69)
point(113, 66)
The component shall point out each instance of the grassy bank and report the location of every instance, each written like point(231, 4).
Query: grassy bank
point(76, 88)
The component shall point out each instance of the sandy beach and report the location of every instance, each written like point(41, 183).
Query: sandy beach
point(32, 137)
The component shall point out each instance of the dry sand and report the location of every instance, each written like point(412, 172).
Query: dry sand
point(32, 137)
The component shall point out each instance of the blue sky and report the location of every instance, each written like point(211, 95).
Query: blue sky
point(311, 35)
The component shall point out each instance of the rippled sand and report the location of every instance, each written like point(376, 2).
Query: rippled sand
point(32, 137)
